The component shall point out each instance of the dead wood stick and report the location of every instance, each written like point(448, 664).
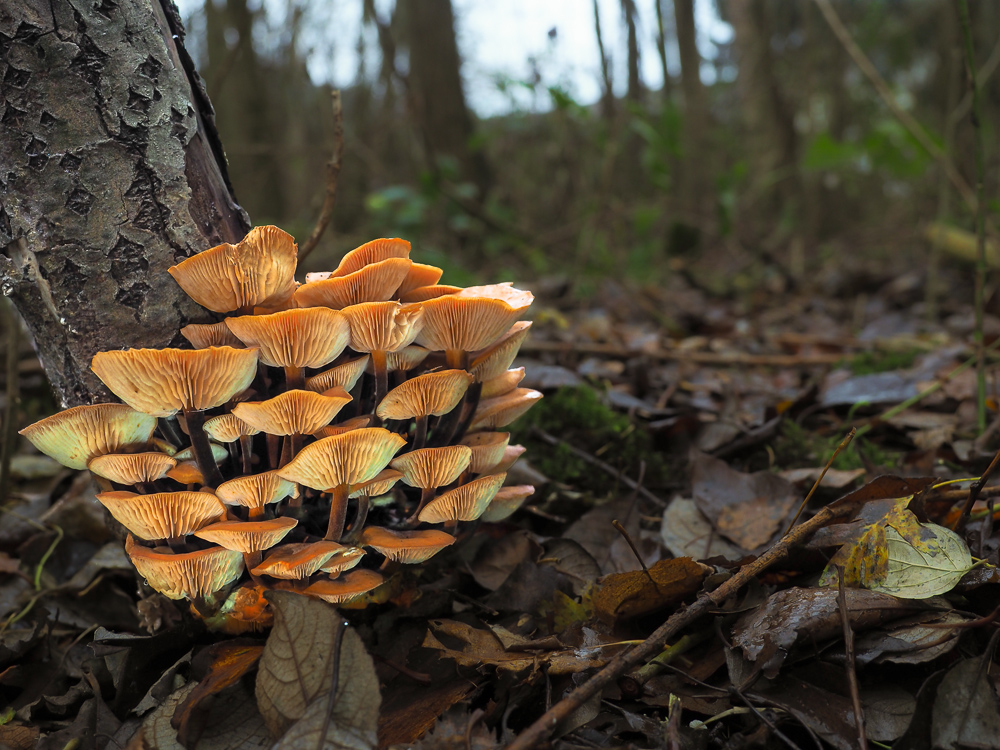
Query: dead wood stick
point(974, 492)
point(605, 467)
point(332, 174)
point(905, 118)
point(546, 724)
point(701, 358)
point(852, 674)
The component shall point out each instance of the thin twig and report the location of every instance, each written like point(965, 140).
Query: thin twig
point(974, 491)
point(980, 205)
point(544, 726)
point(594, 461)
point(912, 126)
point(819, 480)
point(332, 174)
point(852, 674)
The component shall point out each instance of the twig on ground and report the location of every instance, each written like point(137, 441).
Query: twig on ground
point(819, 480)
point(852, 674)
point(543, 727)
point(594, 461)
point(980, 205)
point(974, 492)
point(912, 126)
point(332, 174)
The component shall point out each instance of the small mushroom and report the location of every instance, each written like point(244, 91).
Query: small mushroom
point(249, 537)
point(344, 375)
point(384, 481)
point(406, 546)
point(294, 413)
point(205, 335)
point(228, 428)
point(465, 503)
point(498, 356)
point(375, 282)
point(163, 515)
point(431, 394)
point(379, 328)
point(503, 383)
point(487, 450)
point(294, 339)
point(161, 382)
point(298, 561)
point(137, 469)
point(502, 410)
point(345, 588)
point(258, 270)
point(255, 491)
point(334, 463)
point(374, 251)
point(430, 468)
point(424, 293)
point(75, 436)
point(507, 501)
point(192, 575)
point(420, 274)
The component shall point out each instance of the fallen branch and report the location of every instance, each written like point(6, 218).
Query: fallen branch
point(332, 174)
point(624, 662)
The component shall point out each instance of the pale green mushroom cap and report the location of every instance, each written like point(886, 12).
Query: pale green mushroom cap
point(75, 436)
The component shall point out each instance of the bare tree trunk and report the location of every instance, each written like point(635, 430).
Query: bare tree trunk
point(607, 92)
point(436, 86)
point(629, 11)
point(661, 48)
point(112, 172)
point(694, 167)
point(771, 137)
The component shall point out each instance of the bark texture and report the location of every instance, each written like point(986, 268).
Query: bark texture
point(110, 172)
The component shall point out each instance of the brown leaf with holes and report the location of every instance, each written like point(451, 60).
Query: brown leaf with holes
point(297, 672)
point(628, 595)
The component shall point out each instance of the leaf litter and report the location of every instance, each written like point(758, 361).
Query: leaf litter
point(702, 443)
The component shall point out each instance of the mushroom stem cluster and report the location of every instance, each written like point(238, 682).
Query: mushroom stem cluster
point(233, 465)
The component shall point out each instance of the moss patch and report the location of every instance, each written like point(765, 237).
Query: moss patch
point(578, 417)
point(797, 447)
point(883, 360)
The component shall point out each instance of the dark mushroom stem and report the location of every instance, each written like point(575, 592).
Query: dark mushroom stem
point(380, 363)
point(420, 433)
point(195, 421)
point(295, 378)
point(251, 560)
point(468, 410)
point(338, 512)
point(273, 447)
point(170, 432)
point(456, 359)
point(246, 449)
point(354, 535)
point(426, 495)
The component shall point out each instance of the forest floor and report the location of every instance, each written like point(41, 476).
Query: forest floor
point(699, 423)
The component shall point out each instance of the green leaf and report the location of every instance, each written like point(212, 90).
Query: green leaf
point(925, 568)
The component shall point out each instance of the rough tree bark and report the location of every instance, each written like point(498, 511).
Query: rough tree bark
point(694, 169)
point(110, 172)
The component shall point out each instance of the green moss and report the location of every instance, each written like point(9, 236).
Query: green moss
point(883, 360)
point(579, 418)
point(797, 447)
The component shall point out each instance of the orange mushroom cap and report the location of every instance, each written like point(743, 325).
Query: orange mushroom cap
point(383, 326)
point(473, 318)
point(465, 503)
point(292, 412)
point(132, 468)
point(342, 560)
point(433, 393)
point(312, 337)
point(258, 270)
point(348, 586)
point(351, 458)
point(374, 251)
point(372, 283)
point(355, 423)
point(487, 449)
point(162, 515)
point(406, 546)
point(510, 456)
point(506, 502)
point(495, 359)
point(433, 467)
point(255, 490)
point(419, 275)
point(503, 383)
point(161, 382)
point(205, 335)
point(297, 561)
point(247, 536)
point(187, 472)
point(74, 436)
point(502, 410)
point(405, 359)
point(192, 575)
point(228, 428)
point(424, 293)
point(384, 481)
point(344, 375)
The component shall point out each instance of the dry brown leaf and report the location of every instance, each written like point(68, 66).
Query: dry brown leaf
point(626, 595)
point(296, 674)
point(232, 723)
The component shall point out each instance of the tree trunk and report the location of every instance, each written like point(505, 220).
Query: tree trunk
point(112, 172)
point(634, 93)
point(436, 86)
point(694, 167)
point(607, 89)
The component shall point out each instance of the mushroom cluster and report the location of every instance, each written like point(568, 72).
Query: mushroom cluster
point(371, 393)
